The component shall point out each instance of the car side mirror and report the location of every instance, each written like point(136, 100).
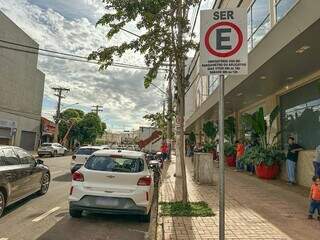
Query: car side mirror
point(39, 161)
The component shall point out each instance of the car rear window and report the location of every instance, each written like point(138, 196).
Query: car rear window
point(86, 151)
point(114, 164)
point(46, 144)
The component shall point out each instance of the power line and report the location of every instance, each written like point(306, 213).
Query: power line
point(196, 18)
point(159, 88)
point(132, 33)
point(81, 58)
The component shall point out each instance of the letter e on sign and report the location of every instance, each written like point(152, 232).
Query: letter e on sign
point(223, 44)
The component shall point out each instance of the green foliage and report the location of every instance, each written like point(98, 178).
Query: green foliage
point(158, 121)
point(100, 142)
point(69, 118)
point(229, 149)
point(208, 147)
point(83, 127)
point(257, 125)
point(210, 129)
point(192, 138)
point(190, 209)
point(159, 20)
point(264, 152)
point(259, 155)
point(230, 129)
point(90, 128)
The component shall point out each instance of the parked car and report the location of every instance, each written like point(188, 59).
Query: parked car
point(52, 149)
point(113, 181)
point(20, 176)
point(81, 156)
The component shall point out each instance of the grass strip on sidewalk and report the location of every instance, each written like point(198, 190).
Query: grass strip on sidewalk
point(191, 209)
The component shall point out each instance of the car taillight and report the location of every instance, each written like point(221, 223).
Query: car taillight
point(74, 157)
point(77, 176)
point(145, 181)
point(71, 190)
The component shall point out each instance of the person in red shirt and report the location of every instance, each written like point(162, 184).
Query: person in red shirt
point(164, 150)
point(315, 197)
point(240, 149)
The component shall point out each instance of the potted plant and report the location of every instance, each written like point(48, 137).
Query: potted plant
point(210, 130)
point(230, 129)
point(230, 153)
point(265, 156)
point(266, 161)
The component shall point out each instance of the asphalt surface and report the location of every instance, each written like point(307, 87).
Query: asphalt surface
point(47, 217)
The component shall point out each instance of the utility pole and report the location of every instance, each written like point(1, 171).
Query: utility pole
point(59, 93)
point(97, 108)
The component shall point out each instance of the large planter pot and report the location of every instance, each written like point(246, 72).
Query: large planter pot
point(267, 172)
point(231, 160)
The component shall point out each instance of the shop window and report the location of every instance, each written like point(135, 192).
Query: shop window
point(283, 7)
point(300, 115)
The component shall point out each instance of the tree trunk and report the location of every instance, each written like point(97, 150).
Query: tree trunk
point(170, 111)
point(181, 91)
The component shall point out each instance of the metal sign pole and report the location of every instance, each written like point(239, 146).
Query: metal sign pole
point(221, 160)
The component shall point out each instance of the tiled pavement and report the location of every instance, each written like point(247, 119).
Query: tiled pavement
point(255, 209)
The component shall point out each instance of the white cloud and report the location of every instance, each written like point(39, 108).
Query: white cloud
point(119, 90)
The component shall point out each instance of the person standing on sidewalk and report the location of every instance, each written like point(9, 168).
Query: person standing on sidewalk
point(292, 159)
point(164, 151)
point(240, 149)
point(315, 197)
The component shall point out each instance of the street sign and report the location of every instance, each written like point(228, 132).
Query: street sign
point(223, 51)
point(223, 42)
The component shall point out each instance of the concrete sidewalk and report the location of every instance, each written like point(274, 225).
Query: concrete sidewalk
point(255, 209)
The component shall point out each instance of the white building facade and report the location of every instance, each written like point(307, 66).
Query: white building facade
point(22, 86)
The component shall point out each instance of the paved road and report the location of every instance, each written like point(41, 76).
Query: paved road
point(47, 217)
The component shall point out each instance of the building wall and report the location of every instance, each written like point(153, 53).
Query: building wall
point(22, 83)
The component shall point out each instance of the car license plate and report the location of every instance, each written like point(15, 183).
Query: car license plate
point(107, 202)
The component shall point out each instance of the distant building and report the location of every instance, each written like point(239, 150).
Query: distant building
point(113, 138)
point(48, 128)
point(22, 87)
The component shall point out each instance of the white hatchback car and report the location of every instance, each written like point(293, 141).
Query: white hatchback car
point(113, 181)
point(81, 156)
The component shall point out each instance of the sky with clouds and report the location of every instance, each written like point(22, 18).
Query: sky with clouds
point(69, 26)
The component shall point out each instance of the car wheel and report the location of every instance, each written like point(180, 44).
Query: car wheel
point(75, 213)
point(146, 218)
point(45, 182)
point(2, 203)
point(64, 153)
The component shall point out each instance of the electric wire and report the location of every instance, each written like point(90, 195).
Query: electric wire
point(74, 56)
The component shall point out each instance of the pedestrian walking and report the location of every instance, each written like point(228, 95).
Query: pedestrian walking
point(250, 166)
point(164, 151)
point(315, 198)
point(292, 159)
point(240, 149)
